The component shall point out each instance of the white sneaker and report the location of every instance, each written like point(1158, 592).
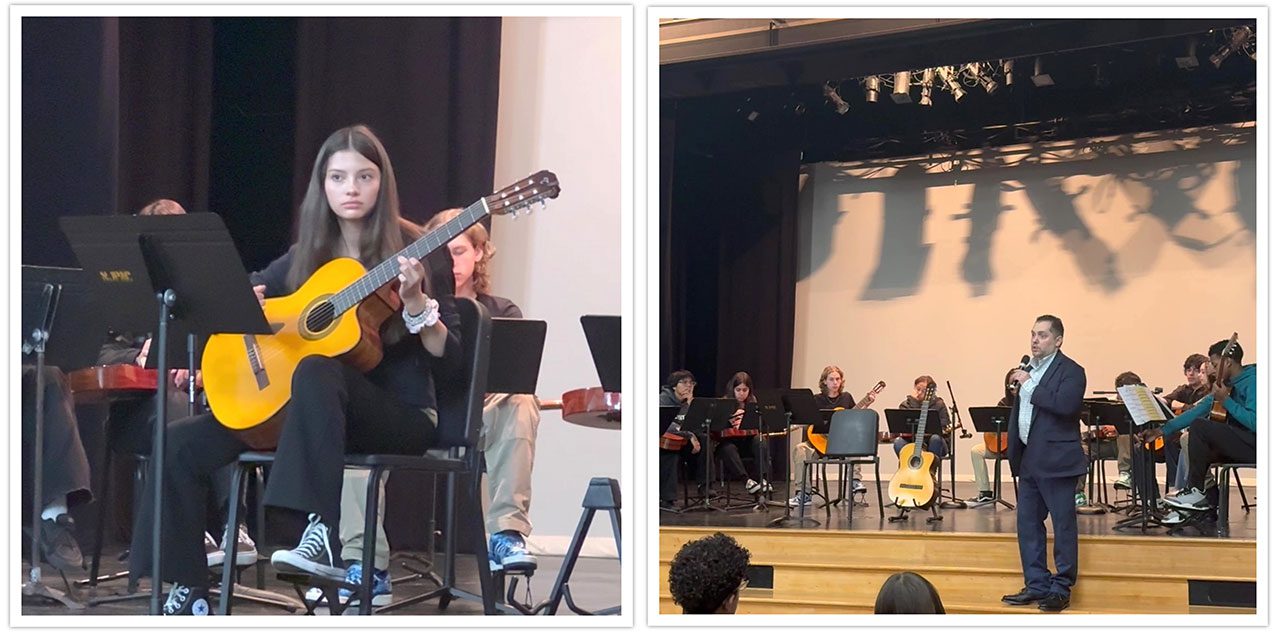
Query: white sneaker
point(313, 555)
point(799, 499)
point(246, 549)
point(1125, 481)
point(753, 487)
point(858, 486)
point(212, 552)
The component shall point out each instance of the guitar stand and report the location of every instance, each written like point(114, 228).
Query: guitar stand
point(902, 513)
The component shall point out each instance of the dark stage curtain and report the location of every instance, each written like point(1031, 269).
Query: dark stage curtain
point(226, 115)
point(728, 250)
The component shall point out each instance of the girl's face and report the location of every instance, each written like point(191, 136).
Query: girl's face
point(741, 392)
point(351, 184)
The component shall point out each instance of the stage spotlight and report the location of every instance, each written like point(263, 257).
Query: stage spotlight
point(1007, 66)
point(926, 88)
point(1040, 77)
point(829, 90)
point(987, 82)
point(873, 88)
point(902, 87)
point(1189, 61)
point(953, 82)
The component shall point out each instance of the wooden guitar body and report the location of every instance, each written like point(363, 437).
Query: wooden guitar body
point(249, 379)
point(913, 484)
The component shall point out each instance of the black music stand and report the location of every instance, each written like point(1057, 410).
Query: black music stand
point(190, 266)
point(903, 421)
point(1100, 412)
point(604, 338)
point(799, 409)
point(994, 419)
point(46, 293)
point(950, 500)
point(773, 421)
point(712, 414)
point(1143, 475)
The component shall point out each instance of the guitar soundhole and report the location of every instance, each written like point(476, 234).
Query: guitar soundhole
point(321, 317)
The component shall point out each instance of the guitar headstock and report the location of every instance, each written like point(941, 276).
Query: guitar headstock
point(929, 394)
point(875, 390)
point(523, 194)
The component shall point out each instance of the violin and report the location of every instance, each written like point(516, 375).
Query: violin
point(112, 381)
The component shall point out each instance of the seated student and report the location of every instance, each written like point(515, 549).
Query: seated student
point(1232, 441)
point(64, 477)
point(936, 443)
point(831, 395)
point(708, 574)
point(908, 593)
point(730, 449)
point(1111, 444)
point(1200, 380)
point(678, 391)
point(979, 453)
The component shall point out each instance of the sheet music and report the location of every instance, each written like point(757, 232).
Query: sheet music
point(1142, 404)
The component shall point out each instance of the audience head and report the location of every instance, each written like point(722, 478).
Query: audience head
point(708, 573)
point(908, 593)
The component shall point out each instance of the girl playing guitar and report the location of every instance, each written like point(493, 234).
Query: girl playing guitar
point(735, 439)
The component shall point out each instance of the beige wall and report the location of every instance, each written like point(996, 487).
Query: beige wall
point(1143, 246)
point(560, 108)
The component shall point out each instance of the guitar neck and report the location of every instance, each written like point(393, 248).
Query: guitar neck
point(384, 272)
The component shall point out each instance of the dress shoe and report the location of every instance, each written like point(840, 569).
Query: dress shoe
point(1022, 598)
point(1054, 603)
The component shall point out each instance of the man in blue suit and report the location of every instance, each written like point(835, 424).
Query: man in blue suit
point(1045, 453)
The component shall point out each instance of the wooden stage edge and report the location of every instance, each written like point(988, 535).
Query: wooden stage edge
point(828, 571)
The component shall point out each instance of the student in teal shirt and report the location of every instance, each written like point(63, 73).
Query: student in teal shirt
point(1233, 441)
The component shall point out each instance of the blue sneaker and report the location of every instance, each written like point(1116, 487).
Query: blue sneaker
point(508, 553)
point(381, 585)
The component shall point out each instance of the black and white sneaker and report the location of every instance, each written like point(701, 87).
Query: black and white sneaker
point(1174, 519)
point(981, 500)
point(1190, 499)
point(313, 555)
point(184, 600)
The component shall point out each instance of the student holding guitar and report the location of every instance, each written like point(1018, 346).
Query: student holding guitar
point(1222, 428)
point(735, 439)
point(1200, 379)
point(682, 445)
point(831, 396)
point(291, 391)
point(1045, 453)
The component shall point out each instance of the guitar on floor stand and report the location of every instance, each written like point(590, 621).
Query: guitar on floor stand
point(915, 485)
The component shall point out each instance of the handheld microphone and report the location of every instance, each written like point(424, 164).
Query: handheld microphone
point(1023, 365)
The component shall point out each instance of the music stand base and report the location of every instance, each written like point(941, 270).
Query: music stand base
point(38, 589)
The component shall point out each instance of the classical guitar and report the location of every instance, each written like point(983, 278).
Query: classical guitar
point(338, 312)
point(819, 439)
point(106, 382)
point(913, 485)
point(736, 432)
point(1219, 412)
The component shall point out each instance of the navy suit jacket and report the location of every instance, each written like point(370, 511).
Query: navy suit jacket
point(1053, 447)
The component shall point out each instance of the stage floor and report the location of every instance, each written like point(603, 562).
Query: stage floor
point(596, 583)
point(995, 519)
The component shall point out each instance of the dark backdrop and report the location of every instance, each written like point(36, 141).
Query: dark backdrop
point(225, 115)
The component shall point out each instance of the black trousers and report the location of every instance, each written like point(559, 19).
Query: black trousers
point(66, 468)
point(729, 450)
point(670, 461)
point(130, 430)
point(1217, 442)
point(335, 410)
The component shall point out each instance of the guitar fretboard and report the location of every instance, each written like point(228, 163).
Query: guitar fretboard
point(384, 272)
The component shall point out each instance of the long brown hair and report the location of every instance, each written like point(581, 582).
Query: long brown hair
point(822, 381)
point(319, 237)
point(478, 235)
point(741, 377)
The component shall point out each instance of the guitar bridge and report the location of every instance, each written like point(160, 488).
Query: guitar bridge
point(255, 362)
